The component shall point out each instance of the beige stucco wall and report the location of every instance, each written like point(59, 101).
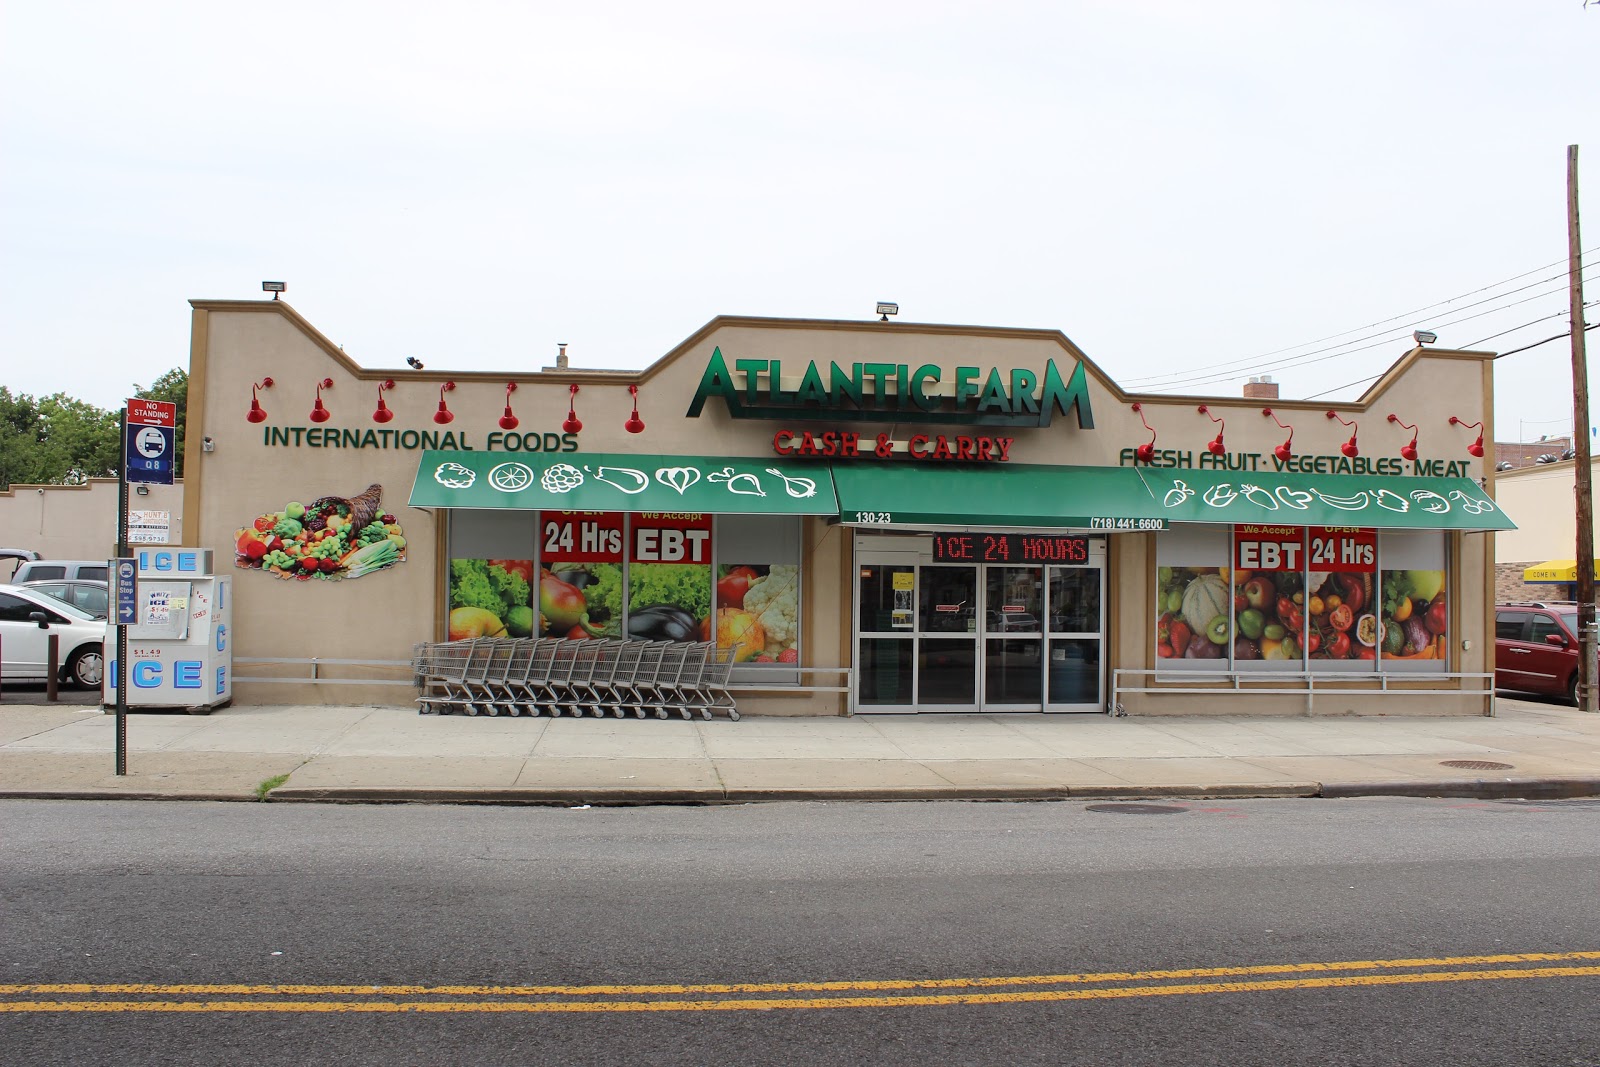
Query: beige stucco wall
point(1540, 500)
point(76, 521)
point(381, 616)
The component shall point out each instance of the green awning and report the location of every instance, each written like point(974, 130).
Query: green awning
point(1012, 494)
point(1378, 501)
point(590, 481)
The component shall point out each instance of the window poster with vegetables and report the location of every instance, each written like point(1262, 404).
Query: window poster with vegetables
point(669, 577)
point(580, 584)
point(1415, 616)
point(491, 598)
point(757, 611)
point(331, 538)
point(1342, 564)
point(1269, 593)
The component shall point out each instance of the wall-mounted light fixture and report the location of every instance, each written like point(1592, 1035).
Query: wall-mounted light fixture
point(320, 413)
point(1147, 451)
point(634, 424)
point(444, 414)
point(509, 421)
point(142, 489)
point(383, 414)
point(1285, 451)
point(1408, 451)
point(1216, 447)
point(885, 309)
point(413, 362)
point(274, 288)
point(257, 412)
point(1424, 337)
point(1349, 447)
point(1476, 447)
point(572, 425)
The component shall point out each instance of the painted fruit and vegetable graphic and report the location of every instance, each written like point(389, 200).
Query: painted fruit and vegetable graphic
point(331, 538)
point(1276, 619)
point(491, 598)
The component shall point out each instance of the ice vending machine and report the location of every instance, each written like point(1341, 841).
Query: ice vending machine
point(180, 651)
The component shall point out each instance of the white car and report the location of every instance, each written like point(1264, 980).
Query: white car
point(28, 618)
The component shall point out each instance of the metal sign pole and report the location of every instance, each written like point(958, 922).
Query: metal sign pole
point(122, 630)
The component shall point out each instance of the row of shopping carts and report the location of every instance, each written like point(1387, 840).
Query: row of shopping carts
point(559, 676)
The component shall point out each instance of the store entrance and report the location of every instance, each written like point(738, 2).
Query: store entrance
point(948, 637)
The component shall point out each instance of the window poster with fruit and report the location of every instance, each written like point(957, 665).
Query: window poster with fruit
point(491, 598)
point(331, 538)
point(1268, 596)
point(1194, 623)
point(1415, 617)
point(580, 583)
point(758, 606)
point(1341, 609)
point(669, 577)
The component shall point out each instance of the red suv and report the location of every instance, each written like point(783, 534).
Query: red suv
point(1536, 648)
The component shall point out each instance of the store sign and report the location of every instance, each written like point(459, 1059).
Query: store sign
point(1009, 548)
point(670, 538)
point(1343, 548)
point(962, 448)
point(415, 440)
point(149, 527)
point(1251, 462)
point(876, 392)
point(580, 537)
point(1269, 548)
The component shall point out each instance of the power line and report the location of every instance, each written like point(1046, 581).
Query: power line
point(1339, 351)
point(1525, 325)
point(1392, 318)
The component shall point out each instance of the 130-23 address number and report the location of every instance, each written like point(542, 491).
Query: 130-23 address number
point(874, 517)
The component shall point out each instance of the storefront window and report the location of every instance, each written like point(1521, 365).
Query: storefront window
point(669, 578)
point(491, 574)
point(580, 589)
point(1194, 625)
point(1268, 580)
point(1414, 615)
point(757, 594)
point(1340, 610)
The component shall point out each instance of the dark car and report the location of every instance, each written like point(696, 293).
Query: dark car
point(83, 594)
point(1536, 648)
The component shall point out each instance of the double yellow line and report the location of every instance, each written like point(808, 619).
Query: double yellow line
point(772, 996)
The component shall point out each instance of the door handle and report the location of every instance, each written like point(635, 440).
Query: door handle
point(1519, 651)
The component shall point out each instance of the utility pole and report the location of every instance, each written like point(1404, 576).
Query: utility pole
point(1589, 691)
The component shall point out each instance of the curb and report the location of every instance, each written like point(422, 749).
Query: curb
point(1475, 788)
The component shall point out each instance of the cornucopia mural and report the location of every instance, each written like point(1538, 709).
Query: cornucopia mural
point(330, 539)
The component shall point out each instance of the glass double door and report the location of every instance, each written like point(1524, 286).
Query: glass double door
point(963, 638)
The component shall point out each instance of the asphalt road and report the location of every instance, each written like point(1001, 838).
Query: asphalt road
point(1244, 932)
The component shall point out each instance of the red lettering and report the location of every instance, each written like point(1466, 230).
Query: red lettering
point(941, 449)
point(781, 442)
point(808, 446)
point(1005, 447)
point(848, 443)
point(984, 446)
point(830, 444)
point(964, 447)
point(918, 441)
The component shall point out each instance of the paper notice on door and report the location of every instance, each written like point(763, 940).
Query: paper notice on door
point(904, 581)
point(163, 612)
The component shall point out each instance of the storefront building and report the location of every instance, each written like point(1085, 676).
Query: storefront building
point(881, 517)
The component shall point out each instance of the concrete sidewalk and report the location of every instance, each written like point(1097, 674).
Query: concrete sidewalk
point(392, 754)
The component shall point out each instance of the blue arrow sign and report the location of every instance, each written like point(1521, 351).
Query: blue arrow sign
point(127, 592)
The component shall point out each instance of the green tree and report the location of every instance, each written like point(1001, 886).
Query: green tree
point(61, 440)
point(173, 387)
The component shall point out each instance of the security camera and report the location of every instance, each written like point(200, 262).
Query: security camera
point(207, 445)
point(414, 362)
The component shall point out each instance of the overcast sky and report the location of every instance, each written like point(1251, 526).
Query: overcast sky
point(1181, 188)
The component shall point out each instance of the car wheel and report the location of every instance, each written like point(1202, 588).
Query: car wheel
point(86, 668)
point(1572, 689)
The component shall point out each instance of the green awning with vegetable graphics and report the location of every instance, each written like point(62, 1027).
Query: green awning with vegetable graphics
point(590, 481)
point(1378, 501)
point(1011, 494)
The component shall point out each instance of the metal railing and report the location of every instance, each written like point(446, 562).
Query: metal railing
point(1242, 683)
